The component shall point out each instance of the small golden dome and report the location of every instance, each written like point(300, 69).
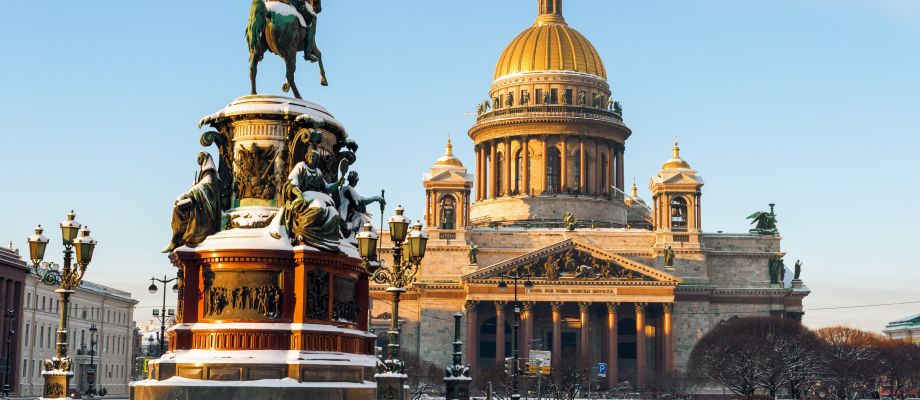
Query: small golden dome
point(550, 45)
point(676, 162)
point(634, 196)
point(448, 157)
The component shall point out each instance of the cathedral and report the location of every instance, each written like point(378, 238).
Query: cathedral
point(615, 279)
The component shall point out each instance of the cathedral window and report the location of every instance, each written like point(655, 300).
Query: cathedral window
point(518, 171)
point(678, 214)
point(553, 168)
point(499, 169)
point(603, 183)
point(539, 99)
point(568, 96)
point(554, 96)
point(448, 209)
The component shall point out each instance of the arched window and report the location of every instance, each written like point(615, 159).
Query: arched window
point(518, 172)
point(499, 169)
point(678, 214)
point(553, 168)
point(448, 209)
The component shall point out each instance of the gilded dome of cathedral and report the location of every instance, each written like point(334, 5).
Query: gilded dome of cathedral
point(448, 158)
point(550, 45)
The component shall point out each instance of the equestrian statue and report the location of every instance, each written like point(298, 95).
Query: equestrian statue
point(284, 27)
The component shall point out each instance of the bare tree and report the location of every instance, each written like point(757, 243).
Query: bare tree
point(851, 360)
point(744, 354)
point(900, 363)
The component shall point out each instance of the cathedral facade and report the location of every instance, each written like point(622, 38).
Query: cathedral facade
point(616, 279)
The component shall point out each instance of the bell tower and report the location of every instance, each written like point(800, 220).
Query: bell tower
point(447, 194)
point(676, 203)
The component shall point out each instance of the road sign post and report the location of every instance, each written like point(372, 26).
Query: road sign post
point(601, 370)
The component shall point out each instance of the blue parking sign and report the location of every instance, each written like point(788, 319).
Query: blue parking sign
point(602, 370)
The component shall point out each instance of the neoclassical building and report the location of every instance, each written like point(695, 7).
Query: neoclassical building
point(635, 284)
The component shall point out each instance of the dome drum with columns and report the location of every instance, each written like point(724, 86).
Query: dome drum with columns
point(553, 142)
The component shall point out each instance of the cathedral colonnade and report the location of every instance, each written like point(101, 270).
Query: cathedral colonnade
point(548, 164)
point(635, 339)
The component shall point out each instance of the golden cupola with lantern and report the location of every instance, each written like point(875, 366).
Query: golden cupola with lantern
point(549, 138)
point(676, 198)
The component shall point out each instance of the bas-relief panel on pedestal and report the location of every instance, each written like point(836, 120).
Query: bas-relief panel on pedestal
point(243, 295)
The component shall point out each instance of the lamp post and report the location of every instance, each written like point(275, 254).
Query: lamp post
point(91, 375)
point(162, 317)
point(502, 286)
point(10, 316)
point(77, 244)
point(408, 250)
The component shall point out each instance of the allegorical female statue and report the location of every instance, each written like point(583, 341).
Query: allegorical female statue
point(196, 213)
point(309, 212)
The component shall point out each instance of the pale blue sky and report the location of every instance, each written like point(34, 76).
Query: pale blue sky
point(810, 104)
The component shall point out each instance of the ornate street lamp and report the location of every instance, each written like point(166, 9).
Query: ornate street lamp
point(57, 369)
point(408, 251)
point(91, 375)
point(162, 317)
point(502, 286)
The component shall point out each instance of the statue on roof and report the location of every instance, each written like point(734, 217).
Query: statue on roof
point(473, 253)
point(569, 221)
point(196, 213)
point(284, 27)
point(798, 270)
point(765, 222)
point(669, 256)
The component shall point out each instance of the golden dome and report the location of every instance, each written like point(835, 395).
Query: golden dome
point(676, 162)
point(550, 45)
point(634, 196)
point(448, 157)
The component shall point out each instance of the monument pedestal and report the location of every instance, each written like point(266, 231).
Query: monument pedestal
point(259, 315)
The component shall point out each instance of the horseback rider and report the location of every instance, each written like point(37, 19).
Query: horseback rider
point(308, 9)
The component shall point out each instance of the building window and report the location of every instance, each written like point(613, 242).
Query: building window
point(553, 168)
point(603, 182)
point(41, 338)
point(28, 303)
point(678, 214)
point(25, 367)
point(577, 171)
point(568, 96)
point(448, 213)
point(539, 96)
point(25, 339)
point(554, 96)
point(499, 169)
point(518, 171)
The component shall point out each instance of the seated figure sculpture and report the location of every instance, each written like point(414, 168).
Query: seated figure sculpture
point(196, 214)
point(309, 213)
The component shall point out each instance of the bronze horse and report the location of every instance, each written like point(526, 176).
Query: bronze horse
point(280, 31)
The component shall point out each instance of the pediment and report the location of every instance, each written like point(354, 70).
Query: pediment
point(449, 176)
point(573, 260)
point(684, 179)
